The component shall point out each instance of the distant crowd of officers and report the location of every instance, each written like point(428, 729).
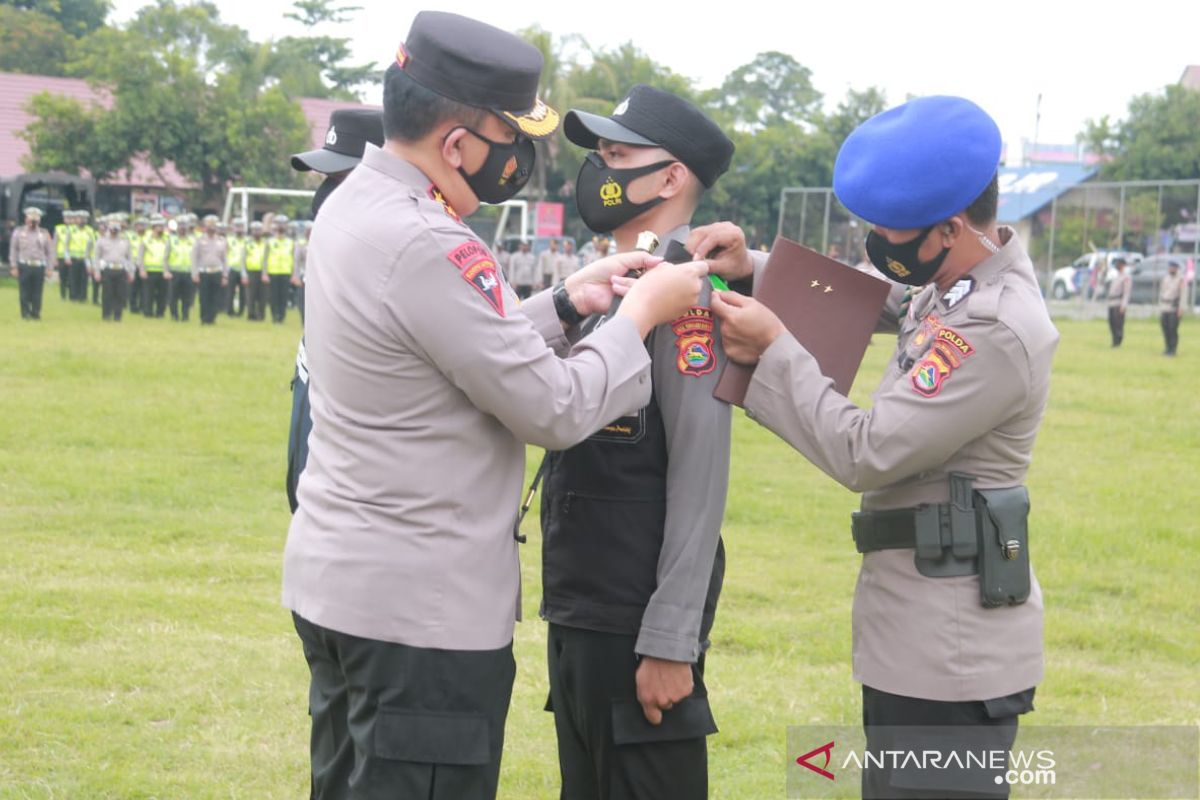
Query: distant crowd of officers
point(152, 265)
point(529, 273)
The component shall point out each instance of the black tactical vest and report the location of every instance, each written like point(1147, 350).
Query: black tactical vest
point(603, 511)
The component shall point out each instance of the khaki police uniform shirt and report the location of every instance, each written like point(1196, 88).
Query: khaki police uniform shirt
point(964, 392)
point(113, 252)
point(1120, 289)
point(31, 247)
point(208, 254)
point(1172, 293)
point(523, 269)
point(426, 379)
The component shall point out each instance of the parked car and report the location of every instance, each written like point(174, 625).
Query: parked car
point(1089, 274)
point(1149, 272)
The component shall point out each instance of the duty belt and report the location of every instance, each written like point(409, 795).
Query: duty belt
point(945, 536)
point(31, 263)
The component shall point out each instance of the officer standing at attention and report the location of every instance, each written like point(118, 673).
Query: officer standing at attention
point(208, 267)
point(62, 239)
point(254, 274)
point(1120, 289)
point(947, 619)
point(114, 265)
point(80, 242)
point(300, 265)
point(152, 264)
point(1172, 300)
point(632, 561)
point(181, 288)
point(427, 379)
point(235, 260)
point(136, 235)
point(30, 254)
point(523, 271)
point(281, 260)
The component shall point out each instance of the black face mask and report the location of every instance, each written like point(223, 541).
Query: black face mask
point(326, 188)
point(505, 171)
point(602, 193)
point(899, 262)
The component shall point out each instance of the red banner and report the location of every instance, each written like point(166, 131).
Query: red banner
point(548, 219)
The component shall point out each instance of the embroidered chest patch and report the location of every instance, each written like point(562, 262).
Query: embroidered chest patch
point(477, 267)
point(694, 339)
point(947, 353)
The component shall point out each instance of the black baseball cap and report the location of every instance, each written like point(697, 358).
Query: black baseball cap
point(650, 117)
point(345, 142)
point(474, 63)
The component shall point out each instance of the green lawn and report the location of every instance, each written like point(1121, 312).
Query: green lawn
point(144, 653)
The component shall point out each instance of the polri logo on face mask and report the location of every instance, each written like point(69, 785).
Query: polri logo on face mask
point(610, 193)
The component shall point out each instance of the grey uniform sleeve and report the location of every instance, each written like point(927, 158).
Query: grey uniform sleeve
point(540, 310)
point(698, 438)
point(493, 353)
point(920, 416)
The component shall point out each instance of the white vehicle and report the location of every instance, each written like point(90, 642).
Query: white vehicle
point(1089, 274)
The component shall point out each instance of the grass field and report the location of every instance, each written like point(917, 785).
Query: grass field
point(144, 653)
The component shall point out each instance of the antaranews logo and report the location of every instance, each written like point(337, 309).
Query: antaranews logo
point(827, 750)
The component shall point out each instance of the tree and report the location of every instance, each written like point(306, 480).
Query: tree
point(180, 86)
point(773, 88)
point(1157, 140)
point(75, 17)
point(326, 56)
point(31, 41)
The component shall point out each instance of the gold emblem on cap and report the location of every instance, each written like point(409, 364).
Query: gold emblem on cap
point(610, 193)
point(401, 55)
point(537, 123)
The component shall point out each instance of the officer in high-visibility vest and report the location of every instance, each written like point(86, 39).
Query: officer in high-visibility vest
point(281, 258)
point(62, 235)
point(235, 257)
point(79, 253)
point(181, 292)
point(152, 263)
point(136, 234)
point(254, 276)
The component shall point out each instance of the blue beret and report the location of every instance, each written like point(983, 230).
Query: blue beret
point(919, 163)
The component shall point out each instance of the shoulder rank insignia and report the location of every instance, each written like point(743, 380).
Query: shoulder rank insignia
point(436, 195)
point(958, 292)
point(477, 267)
point(693, 337)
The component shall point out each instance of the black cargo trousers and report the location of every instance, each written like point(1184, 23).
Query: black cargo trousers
point(393, 722)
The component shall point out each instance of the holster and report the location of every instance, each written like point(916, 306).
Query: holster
point(1004, 577)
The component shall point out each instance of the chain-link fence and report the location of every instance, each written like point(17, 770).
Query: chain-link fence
point(1072, 239)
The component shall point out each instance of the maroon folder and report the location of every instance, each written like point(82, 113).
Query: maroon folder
point(832, 310)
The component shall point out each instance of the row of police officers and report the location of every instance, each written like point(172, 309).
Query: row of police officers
point(152, 265)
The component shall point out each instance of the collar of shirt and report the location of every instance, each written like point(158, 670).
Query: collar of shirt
point(680, 233)
point(394, 167)
point(987, 271)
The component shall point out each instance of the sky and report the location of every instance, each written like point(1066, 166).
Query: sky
point(1084, 59)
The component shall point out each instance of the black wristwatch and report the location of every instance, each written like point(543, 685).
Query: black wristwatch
point(564, 307)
